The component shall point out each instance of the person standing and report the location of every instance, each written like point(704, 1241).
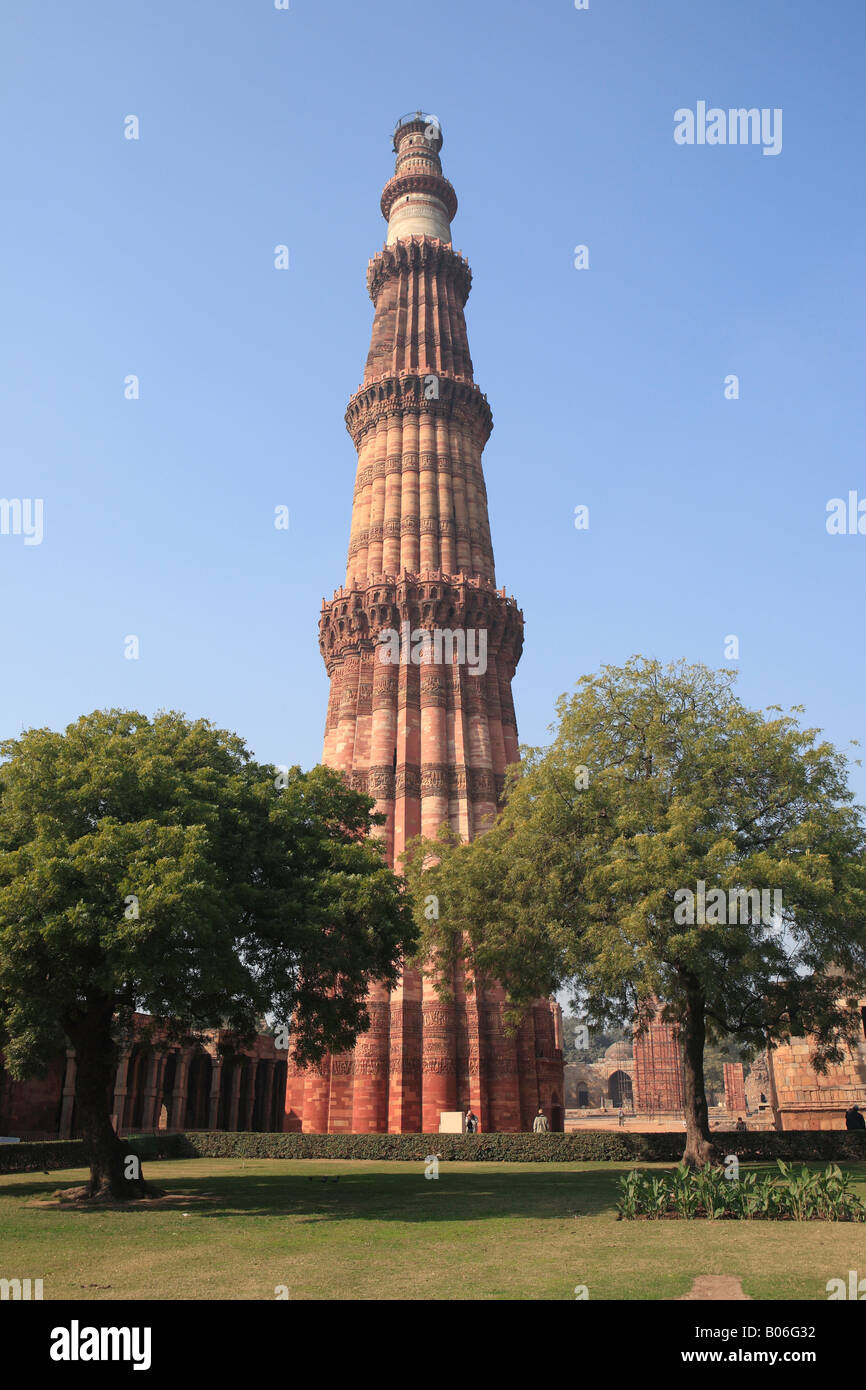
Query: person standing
point(854, 1118)
point(539, 1124)
point(471, 1122)
point(621, 1114)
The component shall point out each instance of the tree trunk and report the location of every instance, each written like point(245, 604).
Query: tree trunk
point(114, 1171)
point(699, 1146)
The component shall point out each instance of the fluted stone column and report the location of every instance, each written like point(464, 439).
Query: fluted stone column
point(438, 1058)
point(317, 1087)
point(527, 1072)
point(501, 1064)
point(372, 1051)
point(150, 1109)
point(268, 1094)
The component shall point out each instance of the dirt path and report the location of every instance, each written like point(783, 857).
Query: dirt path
point(715, 1286)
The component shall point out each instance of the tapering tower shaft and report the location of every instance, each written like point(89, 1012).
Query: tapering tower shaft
point(421, 649)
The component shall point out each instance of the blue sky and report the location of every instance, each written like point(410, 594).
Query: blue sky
point(260, 127)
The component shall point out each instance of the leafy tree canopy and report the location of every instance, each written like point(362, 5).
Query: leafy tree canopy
point(660, 783)
point(153, 865)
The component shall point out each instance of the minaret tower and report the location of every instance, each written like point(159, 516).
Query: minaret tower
point(429, 740)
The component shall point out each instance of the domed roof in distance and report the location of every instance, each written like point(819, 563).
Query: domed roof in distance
point(619, 1052)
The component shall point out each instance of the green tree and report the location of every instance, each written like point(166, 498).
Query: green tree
point(659, 780)
point(597, 1042)
point(153, 866)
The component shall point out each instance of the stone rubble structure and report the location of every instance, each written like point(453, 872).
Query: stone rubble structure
point(658, 1070)
point(803, 1100)
point(735, 1088)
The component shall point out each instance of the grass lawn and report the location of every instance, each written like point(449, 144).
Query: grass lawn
point(481, 1231)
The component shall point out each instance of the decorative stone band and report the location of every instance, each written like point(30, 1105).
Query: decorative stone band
point(438, 1066)
point(351, 621)
point(430, 779)
point(459, 400)
point(477, 538)
point(419, 253)
point(407, 782)
point(419, 181)
point(401, 1063)
point(421, 463)
point(438, 1016)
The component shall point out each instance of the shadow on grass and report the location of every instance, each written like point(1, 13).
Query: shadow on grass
point(374, 1196)
point(457, 1195)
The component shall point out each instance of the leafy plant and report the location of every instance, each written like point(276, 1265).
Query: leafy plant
point(803, 1196)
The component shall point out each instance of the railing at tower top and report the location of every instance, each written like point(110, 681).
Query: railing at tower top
point(412, 117)
point(416, 116)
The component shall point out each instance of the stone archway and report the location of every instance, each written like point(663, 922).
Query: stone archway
point(619, 1088)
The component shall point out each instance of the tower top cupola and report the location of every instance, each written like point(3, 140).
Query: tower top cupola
point(418, 200)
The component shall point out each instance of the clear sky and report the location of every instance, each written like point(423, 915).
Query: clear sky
point(261, 127)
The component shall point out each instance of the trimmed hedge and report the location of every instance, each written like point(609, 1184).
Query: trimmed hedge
point(46, 1155)
point(589, 1146)
point(612, 1146)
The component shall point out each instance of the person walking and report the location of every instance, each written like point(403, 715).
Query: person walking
point(471, 1122)
point(539, 1124)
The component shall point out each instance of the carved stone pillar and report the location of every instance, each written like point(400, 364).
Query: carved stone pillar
point(501, 1067)
point(214, 1098)
point(404, 1100)
point(120, 1089)
point(68, 1102)
point(178, 1096)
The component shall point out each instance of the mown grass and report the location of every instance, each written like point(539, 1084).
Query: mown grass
point(480, 1231)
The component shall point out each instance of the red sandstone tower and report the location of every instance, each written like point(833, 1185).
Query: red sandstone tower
point(430, 740)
